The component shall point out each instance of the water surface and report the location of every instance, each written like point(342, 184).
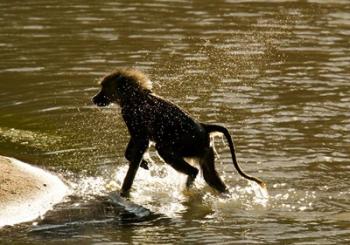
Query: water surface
point(275, 73)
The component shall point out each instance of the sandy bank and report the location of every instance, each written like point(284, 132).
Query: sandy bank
point(26, 192)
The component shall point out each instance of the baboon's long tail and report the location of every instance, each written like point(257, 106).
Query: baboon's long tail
point(216, 128)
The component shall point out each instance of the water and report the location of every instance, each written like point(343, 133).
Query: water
point(276, 73)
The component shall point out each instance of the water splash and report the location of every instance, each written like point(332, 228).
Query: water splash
point(87, 186)
point(160, 189)
point(261, 193)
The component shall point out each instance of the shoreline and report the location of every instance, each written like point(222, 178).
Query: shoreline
point(27, 192)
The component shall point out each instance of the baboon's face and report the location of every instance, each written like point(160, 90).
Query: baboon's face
point(108, 93)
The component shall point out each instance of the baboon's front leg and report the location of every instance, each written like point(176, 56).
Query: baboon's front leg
point(130, 151)
point(134, 154)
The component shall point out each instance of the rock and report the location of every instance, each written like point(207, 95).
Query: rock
point(27, 192)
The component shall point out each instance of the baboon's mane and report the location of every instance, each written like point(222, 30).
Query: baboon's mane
point(133, 75)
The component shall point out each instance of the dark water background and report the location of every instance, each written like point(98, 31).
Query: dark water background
point(276, 73)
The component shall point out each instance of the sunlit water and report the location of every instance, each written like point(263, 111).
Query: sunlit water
point(275, 73)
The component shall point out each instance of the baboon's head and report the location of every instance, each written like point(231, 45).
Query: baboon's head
point(122, 84)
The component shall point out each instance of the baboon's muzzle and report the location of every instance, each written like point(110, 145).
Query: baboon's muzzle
point(100, 100)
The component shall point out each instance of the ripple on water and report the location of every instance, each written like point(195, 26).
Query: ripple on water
point(275, 74)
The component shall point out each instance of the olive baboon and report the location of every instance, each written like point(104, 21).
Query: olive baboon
point(175, 134)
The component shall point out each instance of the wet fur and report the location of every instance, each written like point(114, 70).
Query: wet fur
point(150, 118)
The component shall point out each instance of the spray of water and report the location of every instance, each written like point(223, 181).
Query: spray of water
point(161, 189)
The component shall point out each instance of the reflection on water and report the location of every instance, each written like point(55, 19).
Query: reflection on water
point(274, 72)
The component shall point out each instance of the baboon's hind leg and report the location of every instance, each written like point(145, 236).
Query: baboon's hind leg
point(179, 164)
point(210, 175)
